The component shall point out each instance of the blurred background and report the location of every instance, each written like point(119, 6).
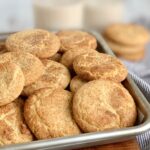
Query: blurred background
point(16, 15)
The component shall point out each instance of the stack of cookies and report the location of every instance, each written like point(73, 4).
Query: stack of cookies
point(56, 85)
point(127, 40)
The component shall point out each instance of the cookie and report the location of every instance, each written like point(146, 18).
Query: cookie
point(125, 49)
point(48, 114)
point(56, 57)
point(3, 51)
point(2, 47)
point(39, 42)
point(76, 83)
point(94, 65)
point(11, 82)
point(31, 66)
point(56, 75)
point(103, 105)
point(13, 129)
point(134, 57)
point(76, 39)
point(69, 56)
point(128, 34)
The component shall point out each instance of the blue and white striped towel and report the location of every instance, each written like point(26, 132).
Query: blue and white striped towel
point(140, 72)
point(144, 139)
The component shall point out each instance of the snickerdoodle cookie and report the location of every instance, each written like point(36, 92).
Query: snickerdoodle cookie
point(103, 105)
point(69, 56)
point(56, 75)
point(12, 126)
point(76, 83)
point(76, 39)
point(56, 57)
point(96, 65)
point(128, 34)
point(134, 57)
point(48, 114)
point(2, 47)
point(31, 66)
point(36, 41)
point(11, 82)
point(125, 49)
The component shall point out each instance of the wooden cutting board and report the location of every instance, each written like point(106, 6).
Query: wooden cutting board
point(128, 145)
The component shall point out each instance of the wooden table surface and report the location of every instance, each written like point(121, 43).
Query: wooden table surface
point(128, 145)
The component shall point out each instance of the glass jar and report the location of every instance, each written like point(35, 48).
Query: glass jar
point(58, 14)
point(101, 13)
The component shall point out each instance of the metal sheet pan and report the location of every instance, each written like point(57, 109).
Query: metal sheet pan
point(96, 138)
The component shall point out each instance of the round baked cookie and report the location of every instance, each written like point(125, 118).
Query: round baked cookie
point(3, 51)
point(94, 65)
point(125, 49)
point(76, 83)
point(56, 57)
point(69, 56)
point(31, 66)
point(128, 34)
point(2, 47)
point(134, 57)
point(56, 75)
point(76, 39)
point(11, 82)
point(103, 105)
point(39, 42)
point(48, 114)
point(13, 129)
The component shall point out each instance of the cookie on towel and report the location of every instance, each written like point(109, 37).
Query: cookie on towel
point(127, 34)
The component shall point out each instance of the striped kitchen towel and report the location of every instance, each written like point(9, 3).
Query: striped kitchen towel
point(140, 73)
point(144, 139)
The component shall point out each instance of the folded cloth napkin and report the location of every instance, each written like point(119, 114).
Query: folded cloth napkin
point(140, 73)
point(144, 139)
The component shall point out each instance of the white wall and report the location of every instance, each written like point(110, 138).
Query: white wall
point(15, 15)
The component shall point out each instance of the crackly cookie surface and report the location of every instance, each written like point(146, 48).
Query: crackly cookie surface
point(134, 57)
point(48, 114)
point(13, 129)
point(56, 57)
point(2, 47)
point(31, 66)
point(11, 82)
point(103, 105)
point(39, 42)
point(125, 49)
point(76, 39)
point(56, 75)
point(94, 65)
point(128, 34)
point(69, 56)
point(76, 83)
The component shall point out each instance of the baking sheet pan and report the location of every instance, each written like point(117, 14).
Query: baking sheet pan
point(95, 138)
